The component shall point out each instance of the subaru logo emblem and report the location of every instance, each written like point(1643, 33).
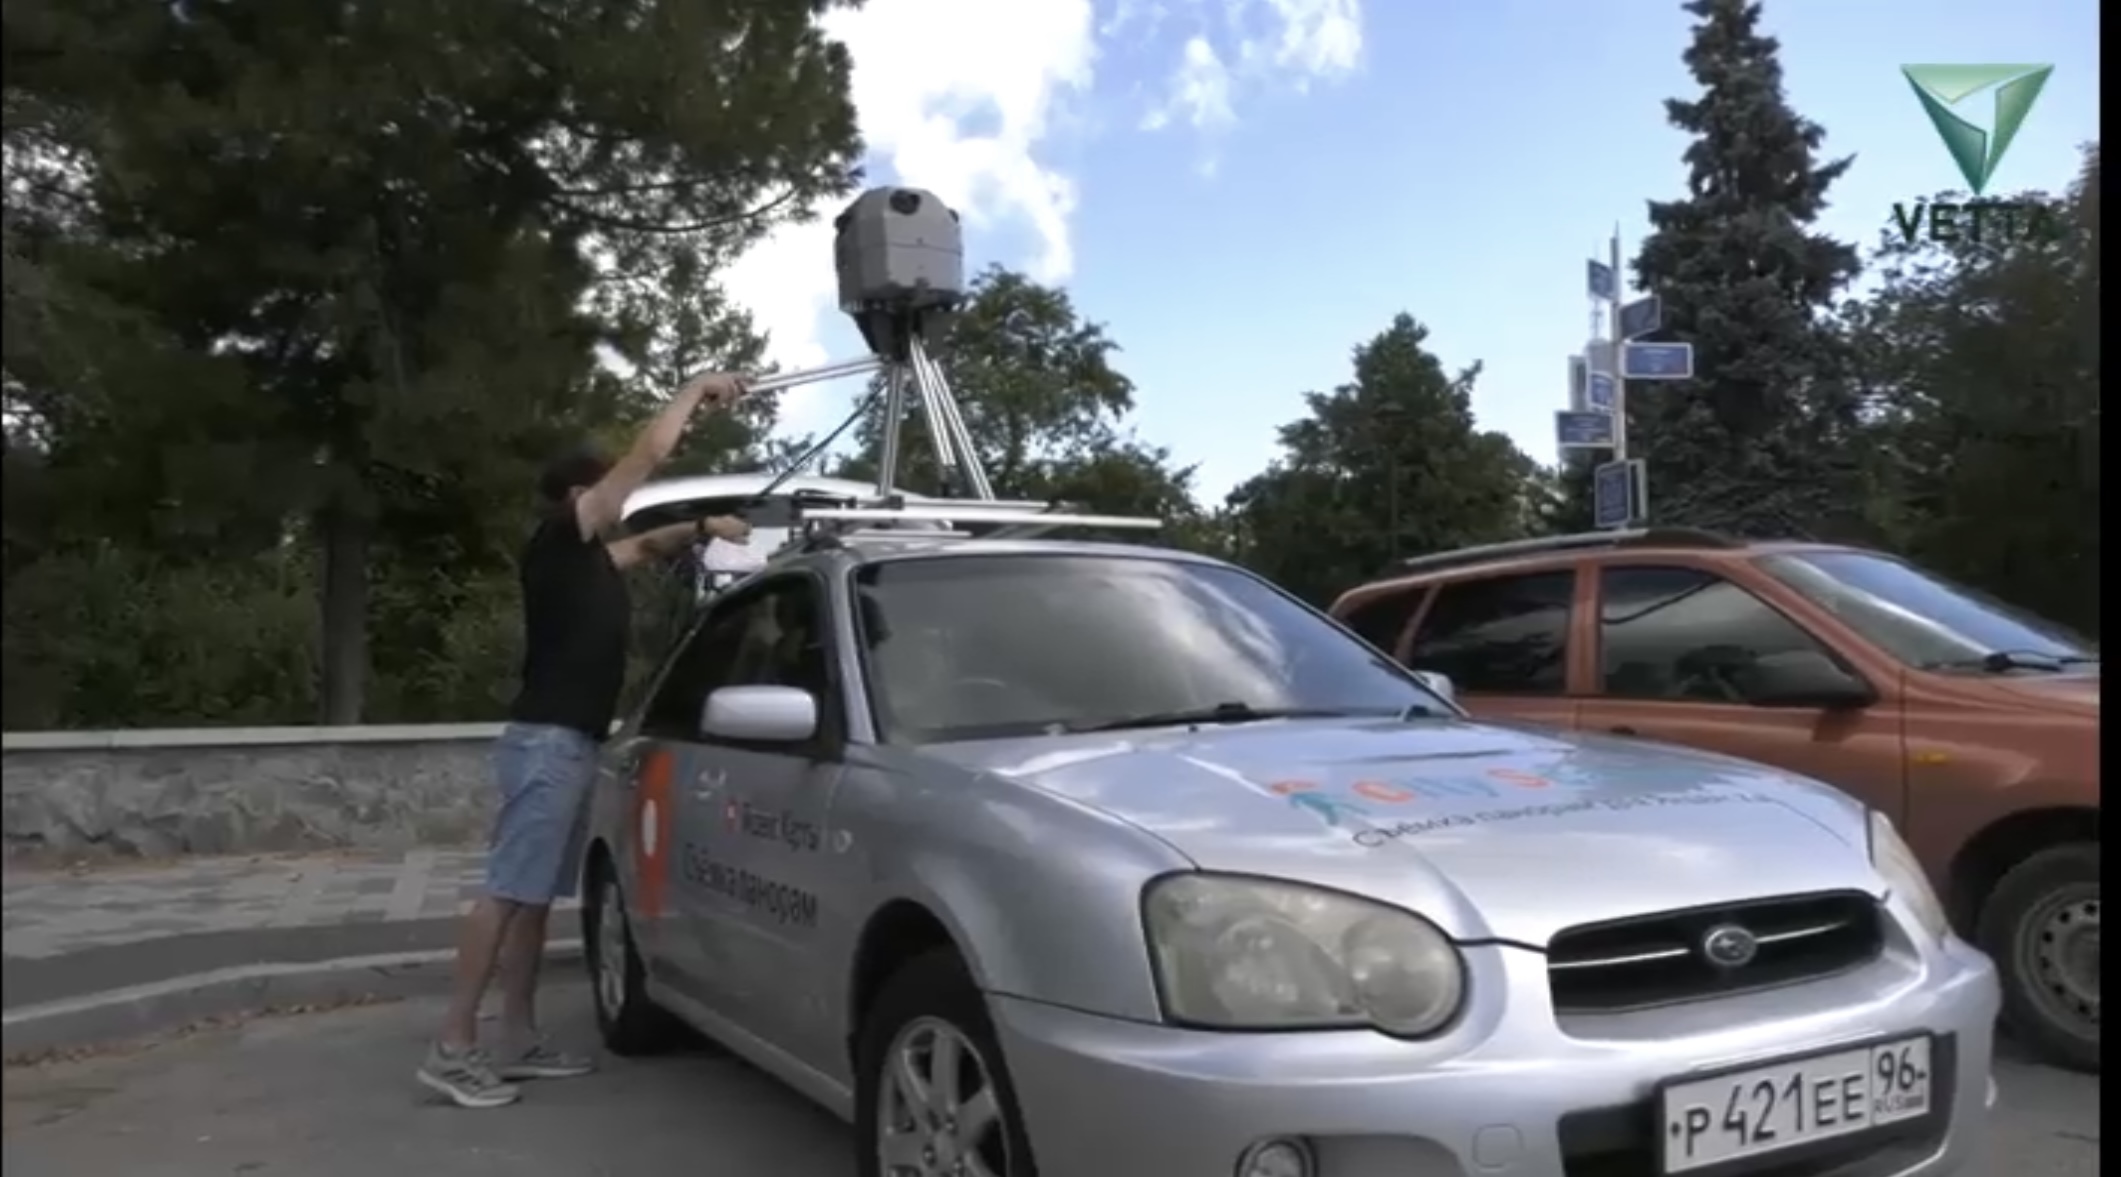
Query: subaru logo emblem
point(1728, 946)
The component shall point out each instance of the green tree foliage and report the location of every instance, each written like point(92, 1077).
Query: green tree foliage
point(1387, 466)
point(1755, 444)
point(1981, 364)
point(362, 260)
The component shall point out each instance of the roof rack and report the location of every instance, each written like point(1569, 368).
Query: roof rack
point(1645, 537)
point(1012, 520)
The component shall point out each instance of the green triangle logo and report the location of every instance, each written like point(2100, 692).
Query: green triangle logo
point(1942, 87)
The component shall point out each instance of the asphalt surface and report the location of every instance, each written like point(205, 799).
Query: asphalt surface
point(26, 981)
point(330, 1094)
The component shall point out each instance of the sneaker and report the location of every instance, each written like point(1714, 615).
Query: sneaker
point(465, 1078)
point(540, 1061)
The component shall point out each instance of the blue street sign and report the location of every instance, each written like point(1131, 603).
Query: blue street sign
point(1601, 391)
point(1641, 317)
point(1657, 361)
point(1598, 281)
point(1618, 493)
point(1583, 431)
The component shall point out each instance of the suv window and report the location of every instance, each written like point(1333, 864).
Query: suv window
point(771, 636)
point(1680, 634)
point(1508, 635)
point(1380, 619)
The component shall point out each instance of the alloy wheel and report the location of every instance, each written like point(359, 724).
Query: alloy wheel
point(611, 950)
point(939, 1114)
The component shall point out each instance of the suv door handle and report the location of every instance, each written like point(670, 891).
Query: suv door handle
point(1621, 730)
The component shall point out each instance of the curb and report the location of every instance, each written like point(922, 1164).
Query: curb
point(139, 1011)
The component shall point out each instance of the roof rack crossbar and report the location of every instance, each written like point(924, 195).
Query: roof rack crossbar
point(1674, 537)
point(986, 513)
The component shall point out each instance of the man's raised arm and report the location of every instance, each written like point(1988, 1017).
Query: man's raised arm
point(599, 507)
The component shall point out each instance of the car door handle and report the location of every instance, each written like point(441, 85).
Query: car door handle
point(1621, 730)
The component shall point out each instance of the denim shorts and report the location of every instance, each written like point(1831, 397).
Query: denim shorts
point(545, 773)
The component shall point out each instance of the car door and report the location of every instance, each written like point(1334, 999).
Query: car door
point(1664, 635)
point(674, 775)
point(1504, 642)
point(766, 859)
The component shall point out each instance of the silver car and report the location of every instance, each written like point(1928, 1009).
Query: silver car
point(1085, 860)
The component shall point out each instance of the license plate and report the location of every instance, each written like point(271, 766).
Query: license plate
point(1739, 1115)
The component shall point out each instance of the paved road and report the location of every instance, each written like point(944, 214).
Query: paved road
point(330, 1095)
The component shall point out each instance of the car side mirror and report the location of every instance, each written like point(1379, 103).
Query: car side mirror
point(1439, 683)
point(1801, 678)
point(763, 715)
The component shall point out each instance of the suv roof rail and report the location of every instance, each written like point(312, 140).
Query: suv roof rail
point(1645, 537)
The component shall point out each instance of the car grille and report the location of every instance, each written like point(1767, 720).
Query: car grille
point(1660, 959)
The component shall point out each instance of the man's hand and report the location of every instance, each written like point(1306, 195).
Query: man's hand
point(717, 390)
point(726, 527)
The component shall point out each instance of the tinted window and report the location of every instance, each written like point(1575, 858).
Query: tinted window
point(1677, 633)
point(773, 636)
point(1504, 636)
point(1919, 617)
point(1381, 618)
point(963, 647)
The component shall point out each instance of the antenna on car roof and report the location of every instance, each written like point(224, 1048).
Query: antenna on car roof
point(901, 260)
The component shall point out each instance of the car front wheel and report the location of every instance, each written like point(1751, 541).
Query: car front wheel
point(2041, 926)
point(630, 1023)
point(933, 1094)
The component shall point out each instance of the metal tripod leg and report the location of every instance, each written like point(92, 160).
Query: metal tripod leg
point(948, 420)
point(947, 457)
point(895, 377)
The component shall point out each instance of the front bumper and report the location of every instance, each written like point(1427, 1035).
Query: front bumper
point(1512, 1091)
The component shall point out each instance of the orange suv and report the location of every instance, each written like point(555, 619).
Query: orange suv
point(1973, 725)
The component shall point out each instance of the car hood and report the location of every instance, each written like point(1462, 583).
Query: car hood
point(1493, 831)
point(2075, 693)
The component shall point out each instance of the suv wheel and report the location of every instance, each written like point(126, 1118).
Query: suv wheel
point(932, 1094)
point(629, 1022)
point(2041, 925)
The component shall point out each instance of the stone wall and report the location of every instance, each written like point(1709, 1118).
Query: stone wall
point(74, 795)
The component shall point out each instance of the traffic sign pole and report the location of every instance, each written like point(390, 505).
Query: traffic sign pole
point(1620, 384)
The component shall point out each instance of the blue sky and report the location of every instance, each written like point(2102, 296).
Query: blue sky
point(1242, 190)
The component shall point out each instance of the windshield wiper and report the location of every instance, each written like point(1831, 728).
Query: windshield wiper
point(2005, 661)
point(1232, 712)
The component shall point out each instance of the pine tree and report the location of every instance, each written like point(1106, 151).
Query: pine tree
point(1388, 466)
point(1754, 444)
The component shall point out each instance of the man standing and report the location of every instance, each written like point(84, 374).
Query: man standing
point(575, 623)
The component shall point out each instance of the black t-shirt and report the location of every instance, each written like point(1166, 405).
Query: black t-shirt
point(575, 618)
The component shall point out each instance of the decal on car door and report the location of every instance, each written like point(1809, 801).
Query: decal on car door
point(651, 826)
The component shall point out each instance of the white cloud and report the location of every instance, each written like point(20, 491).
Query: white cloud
point(1200, 91)
point(963, 97)
point(1315, 38)
point(1250, 44)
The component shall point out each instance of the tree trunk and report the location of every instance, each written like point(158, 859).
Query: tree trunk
point(343, 615)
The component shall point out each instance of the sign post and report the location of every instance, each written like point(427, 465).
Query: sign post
point(1597, 416)
point(1583, 430)
point(1620, 493)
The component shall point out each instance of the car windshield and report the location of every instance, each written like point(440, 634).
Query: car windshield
point(980, 646)
point(1926, 620)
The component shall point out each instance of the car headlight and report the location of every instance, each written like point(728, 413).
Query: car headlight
point(1904, 874)
point(1241, 953)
